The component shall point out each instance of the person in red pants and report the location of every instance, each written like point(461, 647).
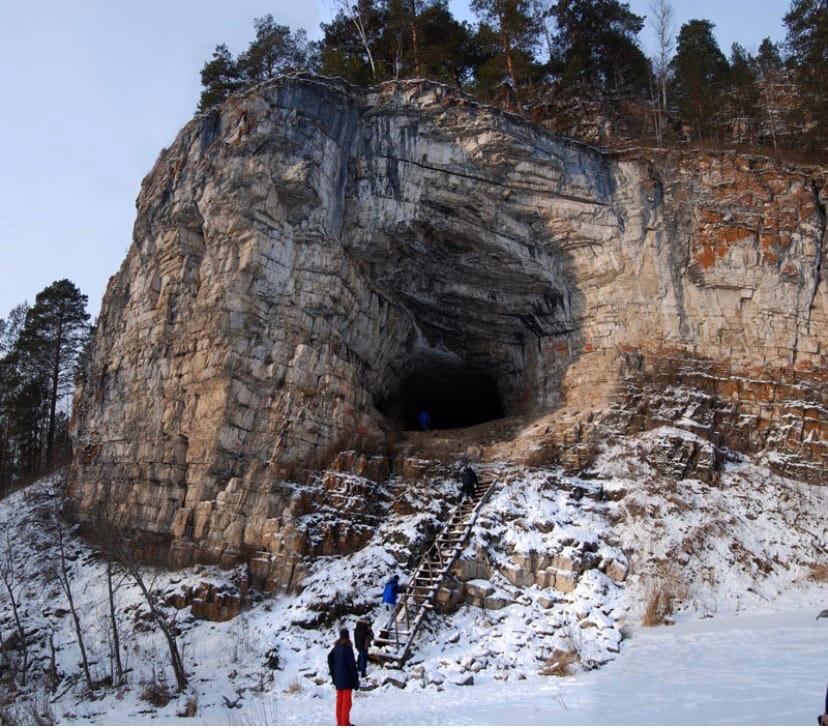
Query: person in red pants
point(342, 665)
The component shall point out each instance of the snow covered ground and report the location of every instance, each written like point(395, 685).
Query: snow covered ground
point(764, 669)
point(738, 557)
point(760, 669)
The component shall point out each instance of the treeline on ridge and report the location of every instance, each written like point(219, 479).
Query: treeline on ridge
point(574, 66)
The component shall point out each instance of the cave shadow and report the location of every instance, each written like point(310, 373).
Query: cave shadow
point(485, 297)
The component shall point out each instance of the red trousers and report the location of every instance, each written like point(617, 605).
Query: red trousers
point(343, 707)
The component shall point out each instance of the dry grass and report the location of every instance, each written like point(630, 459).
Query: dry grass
point(560, 663)
point(157, 693)
point(190, 707)
point(819, 572)
point(294, 687)
point(659, 607)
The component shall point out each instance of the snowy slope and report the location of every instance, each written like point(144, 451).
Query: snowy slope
point(739, 560)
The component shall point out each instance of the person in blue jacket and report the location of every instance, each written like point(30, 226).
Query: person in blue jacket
point(342, 665)
point(389, 598)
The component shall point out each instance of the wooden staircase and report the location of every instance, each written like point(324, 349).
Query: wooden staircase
point(419, 597)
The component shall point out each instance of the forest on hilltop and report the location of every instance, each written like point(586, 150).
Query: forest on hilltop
point(574, 66)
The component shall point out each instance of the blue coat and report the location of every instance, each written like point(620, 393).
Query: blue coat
point(342, 664)
point(389, 594)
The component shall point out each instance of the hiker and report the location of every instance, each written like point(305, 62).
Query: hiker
point(389, 598)
point(424, 418)
point(342, 666)
point(363, 634)
point(470, 482)
point(823, 719)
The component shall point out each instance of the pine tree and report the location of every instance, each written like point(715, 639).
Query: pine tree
point(744, 93)
point(10, 388)
point(807, 42)
point(220, 77)
point(446, 47)
point(769, 70)
point(350, 41)
point(596, 47)
point(517, 30)
point(274, 51)
point(700, 74)
point(49, 344)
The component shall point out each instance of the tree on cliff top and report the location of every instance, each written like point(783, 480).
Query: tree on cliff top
point(700, 74)
point(807, 41)
point(518, 30)
point(380, 40)
point(274, 51)
point(595, 47)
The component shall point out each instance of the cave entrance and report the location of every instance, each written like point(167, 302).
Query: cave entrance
point(453, 393)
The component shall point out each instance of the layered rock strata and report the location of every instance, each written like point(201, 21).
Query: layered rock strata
point(310, 259)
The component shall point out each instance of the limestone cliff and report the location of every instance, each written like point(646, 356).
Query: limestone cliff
point(311, 262)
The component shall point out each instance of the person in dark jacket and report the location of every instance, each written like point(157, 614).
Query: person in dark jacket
point(342, 666)
point(469, 478)
point(363, 634)
point(823, 719)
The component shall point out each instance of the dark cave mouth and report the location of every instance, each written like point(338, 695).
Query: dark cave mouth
point(453, 394)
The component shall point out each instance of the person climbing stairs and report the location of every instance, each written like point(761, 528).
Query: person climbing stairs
point(395, 641)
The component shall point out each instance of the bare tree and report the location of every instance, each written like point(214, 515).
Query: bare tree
point(665, 31)
point(166, 625)
point(360, 21)
point(52, 672)
point(64, 577)
point(9, 577)
point(115, 549)
point(415, 41)
point(111, 588)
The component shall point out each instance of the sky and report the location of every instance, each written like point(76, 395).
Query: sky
point(93, 90)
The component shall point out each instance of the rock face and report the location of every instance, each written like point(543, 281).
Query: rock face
point(311, 264)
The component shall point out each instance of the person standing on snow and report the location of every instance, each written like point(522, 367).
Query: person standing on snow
point(363, 634)
point(389, 598)
point(342, 666)
point(823, 719)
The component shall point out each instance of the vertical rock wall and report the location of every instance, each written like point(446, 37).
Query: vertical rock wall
point(303, 249)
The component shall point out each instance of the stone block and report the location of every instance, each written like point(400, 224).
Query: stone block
point(566, 581)
point(495, 602)
point(547, 601)
point(203, 512)
point(479, 589)
point(181, 520)
point(517, 576)
point(397, 678)
point(616, 570)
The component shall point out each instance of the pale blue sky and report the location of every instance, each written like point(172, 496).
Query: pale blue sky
point(92, 90)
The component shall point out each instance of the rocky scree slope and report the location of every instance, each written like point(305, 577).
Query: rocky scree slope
point(308, 254)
